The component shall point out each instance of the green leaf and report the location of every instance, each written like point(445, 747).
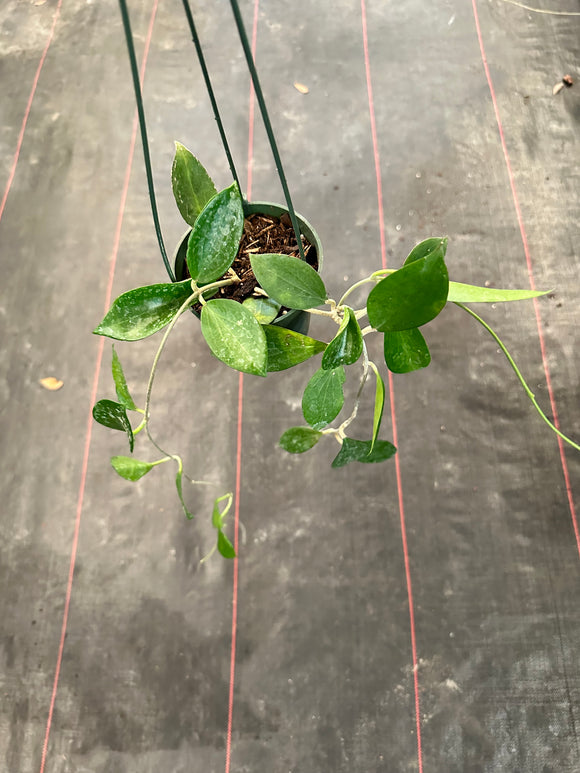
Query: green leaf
point(235, 336)
point(264, 309)
point(406, 350)
point(224, 546)
point(214, 242)
point(436, 245)
point(129, 468)
point(287, 348)
point(192, 186)
point(297, 440)
point(379, 404)
point(218, 517)
point(359, 451)
point(347, 346)
point(114, 416)
point(290, 281)
point(121, 387)
point(179, 487)
point(323, 397)
point(141, 312)
point(461, 293)
point(411, 296)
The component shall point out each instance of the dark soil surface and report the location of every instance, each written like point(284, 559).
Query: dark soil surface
point(262, 234)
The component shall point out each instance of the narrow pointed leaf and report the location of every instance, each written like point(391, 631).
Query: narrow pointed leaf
point(141, 312)
point(129, 468)
point(214, 241)
point(290, 281)
point(406, 350)
point(411, 296)
point(323, 397)
point(379, 405)
point(462, 293)
point(235, 336)
point(297, 440)
point(192, 186)
point(436, 245)
point(347, 346)
point(114, 416)
point(121, 387)
point(264, 309)
point(224, 546)
point(179, 487)
point(287, 348)
point(358, 451)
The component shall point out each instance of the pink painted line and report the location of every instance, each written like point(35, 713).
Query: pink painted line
point(530, 268)
point(235, 580)
point(28, 109)
point(392, 395)
point(89, 426)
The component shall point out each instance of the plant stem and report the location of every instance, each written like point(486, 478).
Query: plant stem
point(516, 370)
point(363, 379)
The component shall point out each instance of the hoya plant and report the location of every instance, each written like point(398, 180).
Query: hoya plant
point(246, 322)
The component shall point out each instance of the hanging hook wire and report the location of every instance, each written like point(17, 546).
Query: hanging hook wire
point(267, 124)
point(143, 130)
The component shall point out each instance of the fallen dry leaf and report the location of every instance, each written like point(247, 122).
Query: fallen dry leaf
point(557, 88)
point(301, 88)
point(51, 383)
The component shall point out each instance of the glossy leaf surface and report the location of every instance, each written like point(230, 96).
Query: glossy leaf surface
point(323, 397)
point(411, 296)
point(358, 451)
point(406, 350)
point(214, 241)
point(129, 468)
point(264, 309)
point(379, 404)
point(235, 336)
point(192, 186)
point(462, 293)
point(139, 313)
point(297, 440)
point(436, 245)
point(123, 394)
point(290, 281)
point(347, 346)
point(287, 348)
point(114, 416)
point(224, 546)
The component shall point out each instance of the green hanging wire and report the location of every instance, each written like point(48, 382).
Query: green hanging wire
point(267, 124)
point(211, 95)
point(143, 129)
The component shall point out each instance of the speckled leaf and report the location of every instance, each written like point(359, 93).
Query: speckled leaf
point(129, 468)
point(224, 546)
point(141, 312)
point(287, 348)
point(114, 416)
point(235, 336)
point(411, 296)
point(192, 186)
point(462, 293)
point(297, 440)
point(123, 394)
point(214, 241)
point(290, 281)
point(436, 245)
point(346, 347)
point(405, 351)
point(323, 397)
point(264, 309)
point(358, 451)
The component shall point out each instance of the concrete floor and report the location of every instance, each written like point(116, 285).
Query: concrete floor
point(431, 626)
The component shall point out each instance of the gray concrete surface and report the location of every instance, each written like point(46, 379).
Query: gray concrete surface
point(325, 680)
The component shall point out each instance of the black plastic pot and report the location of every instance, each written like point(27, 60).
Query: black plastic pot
point(294, 320)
